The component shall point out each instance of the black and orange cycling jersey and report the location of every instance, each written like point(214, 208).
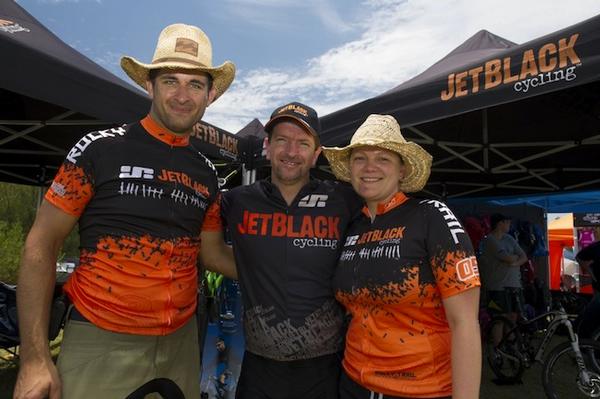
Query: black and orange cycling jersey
point(286, 257)
point(393, 273)
point(141, 194)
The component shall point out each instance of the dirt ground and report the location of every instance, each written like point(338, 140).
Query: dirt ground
point(531, 388)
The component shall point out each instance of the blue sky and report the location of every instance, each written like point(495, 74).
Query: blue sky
point(328, 53)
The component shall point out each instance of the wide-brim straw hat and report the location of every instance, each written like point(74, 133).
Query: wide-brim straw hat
point(383, 131)
point(185, 47)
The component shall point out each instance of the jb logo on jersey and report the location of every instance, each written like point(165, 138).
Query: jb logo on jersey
point(136, 172)
point(351, 240)
point(313, 201)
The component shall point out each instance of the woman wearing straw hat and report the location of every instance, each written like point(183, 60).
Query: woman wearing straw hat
point(134, 291)
point(407, 275)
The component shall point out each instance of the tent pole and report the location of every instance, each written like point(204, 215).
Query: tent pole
point(42, 187)
point(248, 176)
point(485, 139)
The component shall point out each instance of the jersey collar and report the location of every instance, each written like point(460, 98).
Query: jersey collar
point(398, 199)
point(164, 135)
point(272, 190)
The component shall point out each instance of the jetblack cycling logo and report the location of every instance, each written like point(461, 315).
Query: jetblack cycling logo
point(159, 190)
point(11, 27)
point(186, 180)
point(278, 224)
point(225, 142)
point(307, 231)
point(550, 63)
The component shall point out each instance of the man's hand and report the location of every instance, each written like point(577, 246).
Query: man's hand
point(38, 380)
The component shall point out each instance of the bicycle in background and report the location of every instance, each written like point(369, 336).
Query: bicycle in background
point(570, 370)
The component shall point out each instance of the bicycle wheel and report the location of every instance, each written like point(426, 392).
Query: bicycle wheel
point(560, 372)
point(502, 349)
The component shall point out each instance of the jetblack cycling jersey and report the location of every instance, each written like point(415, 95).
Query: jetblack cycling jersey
point(286, 258)
point(393, 275)
point(141, 194)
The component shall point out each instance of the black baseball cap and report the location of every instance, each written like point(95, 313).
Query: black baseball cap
point(497, 218)
point(303, 114)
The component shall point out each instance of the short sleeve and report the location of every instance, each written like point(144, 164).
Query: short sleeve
point(212, 218)
point(72, 187)
point(451, 254)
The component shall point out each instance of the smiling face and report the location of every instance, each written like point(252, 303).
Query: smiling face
point(375, 174)
point(179, 99)
point(292, 152)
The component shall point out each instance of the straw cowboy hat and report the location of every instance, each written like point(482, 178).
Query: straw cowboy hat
point(383, 131)
point(182, 46)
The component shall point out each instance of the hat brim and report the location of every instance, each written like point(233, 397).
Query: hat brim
point(222, 75)
point(416, 160)
point(280, 118)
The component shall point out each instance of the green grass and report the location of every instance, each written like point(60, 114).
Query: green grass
point(9, 366)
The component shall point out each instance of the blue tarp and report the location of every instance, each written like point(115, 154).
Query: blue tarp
point(576, 202)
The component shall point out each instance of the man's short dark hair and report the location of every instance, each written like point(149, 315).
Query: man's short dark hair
point(497, 218)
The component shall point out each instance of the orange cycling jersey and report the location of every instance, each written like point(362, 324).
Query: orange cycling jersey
point(141, 194)
point(392, 276)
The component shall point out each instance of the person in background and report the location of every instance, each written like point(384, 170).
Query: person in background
point(501, 258)
point(286, 232)
point(140, 194)
point(407, 275)
point(589, 321)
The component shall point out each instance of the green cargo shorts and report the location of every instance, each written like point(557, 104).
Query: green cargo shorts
point(96, 363)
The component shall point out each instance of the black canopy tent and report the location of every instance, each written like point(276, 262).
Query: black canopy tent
point(51, 95)
point(499, 118)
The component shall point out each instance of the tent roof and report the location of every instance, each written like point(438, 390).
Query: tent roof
point(27, 45)
point(51, 95)
point(523, 119)
point(481, 45)
point(253, 128)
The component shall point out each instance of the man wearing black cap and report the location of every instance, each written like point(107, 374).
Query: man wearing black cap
point(501, 258)
point(287, 233)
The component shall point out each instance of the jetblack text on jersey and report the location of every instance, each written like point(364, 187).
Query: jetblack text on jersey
point(279, 224)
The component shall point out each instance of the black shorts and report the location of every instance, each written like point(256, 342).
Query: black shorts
point(510, 300)
point(263, 378)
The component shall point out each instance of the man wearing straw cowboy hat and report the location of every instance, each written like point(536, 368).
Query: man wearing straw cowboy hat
point(140, 194)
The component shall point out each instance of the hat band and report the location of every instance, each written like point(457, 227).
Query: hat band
point(176, 59)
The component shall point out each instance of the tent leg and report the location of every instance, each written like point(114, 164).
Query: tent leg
point(485, 140)
point(248, 176)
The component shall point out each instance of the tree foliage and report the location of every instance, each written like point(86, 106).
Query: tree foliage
point(18, 206)
point(11, 242)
